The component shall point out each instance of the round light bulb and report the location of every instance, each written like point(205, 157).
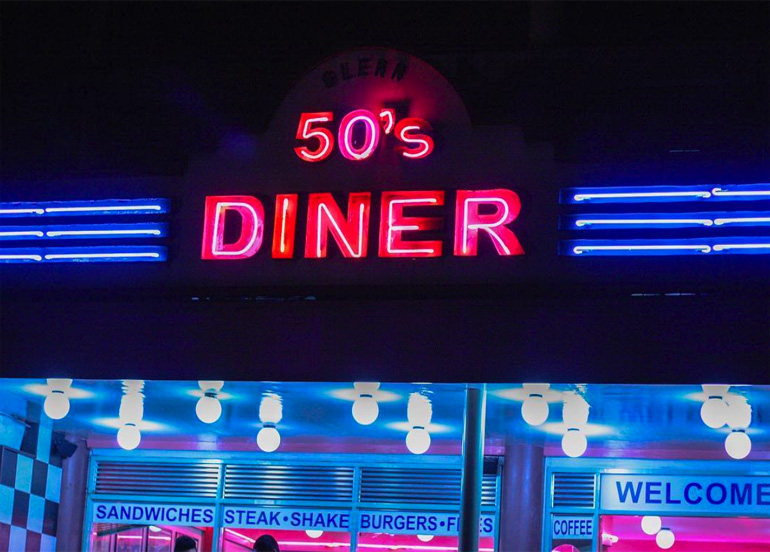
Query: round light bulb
point(366, 387)
point(129, 437)
point(665, 538)
point(268, 439)
point(713, 412)
point(651, 524)
point(313, 533)
point(575, 411)
point(418, 440)
point(56, 405)
point(131, 408)
point(365, 410)
point(574, 443)
point(534, 410)
point(425, 538)
point(208, 409)
point(738, 445)
point(738, 413)
point(270, 409)
point(419, 410)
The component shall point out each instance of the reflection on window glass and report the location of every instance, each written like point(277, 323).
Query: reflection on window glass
point(100, 539)
point(417, 543)
point(240, 540)
point(684, 534)
point(159, 540)
point(129, 540)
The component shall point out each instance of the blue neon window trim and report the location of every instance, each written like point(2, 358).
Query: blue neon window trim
point(665, 194)
point(713, 219)
point(84, 231)
point(758, 245)
point(118, 253)
point(99, 207)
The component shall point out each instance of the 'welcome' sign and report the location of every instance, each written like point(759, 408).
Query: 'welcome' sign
point(686, 494)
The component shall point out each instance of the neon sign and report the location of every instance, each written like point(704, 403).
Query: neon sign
point(92, 242)
point(412, 132)
point(478, 212)
point(394, 223)
point(252, 215)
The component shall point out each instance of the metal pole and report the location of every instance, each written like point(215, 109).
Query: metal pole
point(473, 467)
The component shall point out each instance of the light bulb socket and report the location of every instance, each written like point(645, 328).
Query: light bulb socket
point(211, 393)
point(129, 424)
point(268, 424)
point(739, 430)
point(418, 427)
point(577, 429)
point(721, 398)
point(57, 392)
point(535, 396)
point(365, 396)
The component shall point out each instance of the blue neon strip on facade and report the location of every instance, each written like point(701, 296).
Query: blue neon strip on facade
point(607, 221)
point(664, 194)
point(101, 207)
point(84, 231)
point(117, 253)
point(759, 245)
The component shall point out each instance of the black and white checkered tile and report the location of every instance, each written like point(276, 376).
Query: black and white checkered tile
point(30, 488)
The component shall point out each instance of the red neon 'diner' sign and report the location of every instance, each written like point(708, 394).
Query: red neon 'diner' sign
point(318, 140)
point(477, 213)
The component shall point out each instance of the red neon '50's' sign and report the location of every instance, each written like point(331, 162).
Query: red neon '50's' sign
point(350, 231)
point(412, 132)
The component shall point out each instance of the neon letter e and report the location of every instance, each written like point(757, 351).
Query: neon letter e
point(252, 215)
point(469, 220)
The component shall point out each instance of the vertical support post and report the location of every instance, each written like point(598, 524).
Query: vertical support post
point(72, 502)
point(523, 483)
point(473, 467)
point(218, 536)
point(354, 513)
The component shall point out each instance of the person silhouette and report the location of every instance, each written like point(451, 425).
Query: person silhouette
point(266, 543)
point(185, 544)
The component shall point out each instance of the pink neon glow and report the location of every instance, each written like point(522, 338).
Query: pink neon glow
point(252, 215)
point(388, 116)
point(293, 540)
point(239, 535)
point(285, 226)
point(469, 221)
point(412, 131)
point(324, 217)
point(345, 135)
point(393, 223)
point(297, 540)
point(323, 135)
point(415, 547)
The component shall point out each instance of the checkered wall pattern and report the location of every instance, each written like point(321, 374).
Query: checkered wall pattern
point(30, 488)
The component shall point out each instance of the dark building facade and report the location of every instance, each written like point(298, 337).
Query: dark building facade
point(474, 195)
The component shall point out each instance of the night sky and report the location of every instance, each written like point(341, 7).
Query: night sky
point(93, 89)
